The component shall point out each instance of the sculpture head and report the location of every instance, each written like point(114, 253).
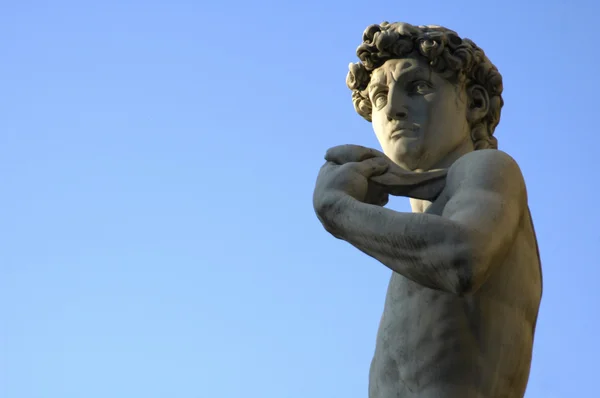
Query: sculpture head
point(429, 94)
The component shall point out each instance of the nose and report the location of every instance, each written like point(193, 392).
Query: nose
point(395, 113)
point(396, 108)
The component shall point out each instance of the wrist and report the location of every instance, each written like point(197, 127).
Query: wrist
point(331, 207)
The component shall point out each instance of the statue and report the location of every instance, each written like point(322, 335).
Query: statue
point(462, 304)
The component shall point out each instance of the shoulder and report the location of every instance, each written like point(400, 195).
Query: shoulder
point(488, 170)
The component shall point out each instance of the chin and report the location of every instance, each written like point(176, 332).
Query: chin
point(410, 164)
point(407, 155)
point(404, 162)
point(409, 160)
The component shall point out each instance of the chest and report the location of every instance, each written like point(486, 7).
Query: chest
point(409, 303)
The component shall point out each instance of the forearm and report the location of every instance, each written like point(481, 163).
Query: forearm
point(428, 249)
point(455, 251)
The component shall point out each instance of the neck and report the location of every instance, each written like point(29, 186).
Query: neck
point(461, 149)
point(418, 205)
point(466, 146)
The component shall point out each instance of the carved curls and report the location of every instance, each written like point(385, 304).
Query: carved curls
point(447, 54)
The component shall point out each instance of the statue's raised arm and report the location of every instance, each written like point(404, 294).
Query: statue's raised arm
point(462, 304)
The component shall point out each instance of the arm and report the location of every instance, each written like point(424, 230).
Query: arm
point(456, 251)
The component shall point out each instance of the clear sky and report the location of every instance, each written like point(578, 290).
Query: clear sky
point(157, 165)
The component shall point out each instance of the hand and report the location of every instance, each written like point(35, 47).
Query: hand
point(395, 181)
point(338, 182)
point(351, 179)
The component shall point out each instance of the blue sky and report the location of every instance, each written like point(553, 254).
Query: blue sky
point(157, 163)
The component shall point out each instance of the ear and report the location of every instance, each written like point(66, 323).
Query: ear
point(479, 103)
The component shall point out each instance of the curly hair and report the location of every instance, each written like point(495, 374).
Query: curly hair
point(454, 58)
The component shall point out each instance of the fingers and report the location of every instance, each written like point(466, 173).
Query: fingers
point(328, 166)
point(427, 185)
point(376, 196)
point(397, 176)
point(369, 168)
point(352, 179)
point(343, 154)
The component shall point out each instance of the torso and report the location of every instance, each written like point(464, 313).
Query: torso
point(433, 344)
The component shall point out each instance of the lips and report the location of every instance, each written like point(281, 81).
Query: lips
point(404, 132)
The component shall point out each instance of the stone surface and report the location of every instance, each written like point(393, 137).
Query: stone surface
point(462, 304)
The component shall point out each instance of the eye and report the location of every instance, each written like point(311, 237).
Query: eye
point(420, 87)
point(380, 99)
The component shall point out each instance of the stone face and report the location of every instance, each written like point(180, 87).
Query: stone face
point(462, 304)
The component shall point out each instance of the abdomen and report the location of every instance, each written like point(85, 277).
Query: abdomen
point(429, 340)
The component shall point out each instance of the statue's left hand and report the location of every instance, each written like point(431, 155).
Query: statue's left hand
point(350, 179)
point(394, 181)
point(345, 176)
point(337, 185)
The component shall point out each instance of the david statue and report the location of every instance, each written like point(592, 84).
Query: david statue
point(462, 304)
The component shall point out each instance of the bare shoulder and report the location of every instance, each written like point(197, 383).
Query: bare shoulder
point(489, 170)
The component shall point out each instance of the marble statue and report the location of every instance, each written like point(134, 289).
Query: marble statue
point(462, 304)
